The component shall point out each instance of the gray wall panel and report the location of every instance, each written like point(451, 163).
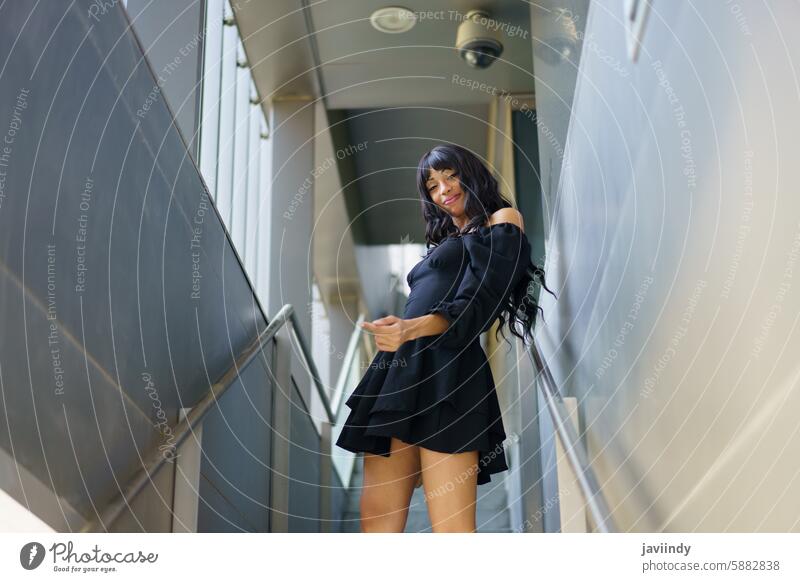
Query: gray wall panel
point(558, 31)
point(84, 110)
point(304, 469)
point(236, 451)
point(171, 35)
point(673, 248)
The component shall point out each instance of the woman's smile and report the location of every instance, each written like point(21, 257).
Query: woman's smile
point(452, 198)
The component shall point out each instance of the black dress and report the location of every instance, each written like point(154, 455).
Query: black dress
point(438, 391)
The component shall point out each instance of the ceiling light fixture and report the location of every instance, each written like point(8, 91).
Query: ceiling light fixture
point(393, 19)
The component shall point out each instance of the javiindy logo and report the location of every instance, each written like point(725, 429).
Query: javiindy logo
point(31, 555)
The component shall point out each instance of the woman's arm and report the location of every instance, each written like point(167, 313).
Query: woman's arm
point(391, 331)
point(498, 257)
point(477, 294)
point(431, 324)
point(435, 323)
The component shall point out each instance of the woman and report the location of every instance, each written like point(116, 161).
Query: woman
point(427, 407)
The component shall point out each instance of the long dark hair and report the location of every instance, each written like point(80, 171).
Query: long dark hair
point(482, 199)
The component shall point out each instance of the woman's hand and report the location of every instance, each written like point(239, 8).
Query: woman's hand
point(390, 332)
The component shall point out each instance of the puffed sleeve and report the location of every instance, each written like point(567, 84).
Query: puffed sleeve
point(498, 257)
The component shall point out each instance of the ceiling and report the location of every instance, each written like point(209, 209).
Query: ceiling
point(362, 67)
point(397, 93)
point(395, 139)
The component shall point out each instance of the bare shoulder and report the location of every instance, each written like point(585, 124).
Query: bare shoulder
point(508, 215)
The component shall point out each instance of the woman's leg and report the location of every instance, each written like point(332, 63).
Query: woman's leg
point(388, 486)
point(451, 488)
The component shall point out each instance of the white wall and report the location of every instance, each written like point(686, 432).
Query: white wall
point(674, 248)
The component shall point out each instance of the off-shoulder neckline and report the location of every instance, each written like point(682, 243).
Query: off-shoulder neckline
point(489, 227)
point(479, 230)
point(506, 223)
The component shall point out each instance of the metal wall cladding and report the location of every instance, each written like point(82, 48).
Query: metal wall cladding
point(674, 243)
point(120, 295)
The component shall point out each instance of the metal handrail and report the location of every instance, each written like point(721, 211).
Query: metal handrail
point(352, 347)
point(309, 360)
point(576, 454)
point(155, 460)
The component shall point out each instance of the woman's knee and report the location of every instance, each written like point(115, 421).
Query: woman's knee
point(383, 510)
point(380, 516)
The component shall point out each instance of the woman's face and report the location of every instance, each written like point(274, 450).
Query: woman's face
point(445, 191)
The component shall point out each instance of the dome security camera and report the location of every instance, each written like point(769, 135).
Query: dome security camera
point(476, 42)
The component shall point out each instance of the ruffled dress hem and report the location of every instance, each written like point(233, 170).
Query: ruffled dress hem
point(442, 429)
